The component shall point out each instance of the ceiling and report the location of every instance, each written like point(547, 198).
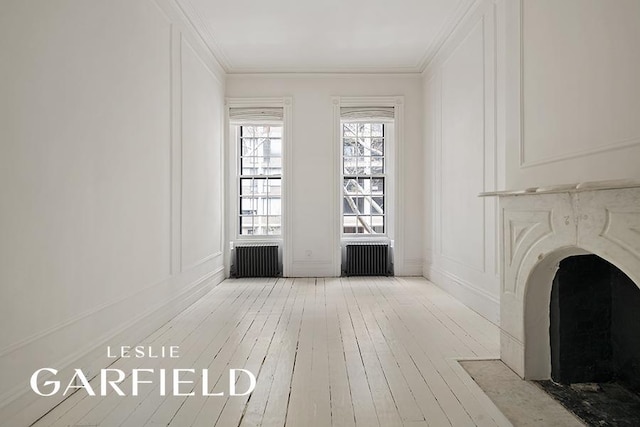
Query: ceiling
point(260, 36)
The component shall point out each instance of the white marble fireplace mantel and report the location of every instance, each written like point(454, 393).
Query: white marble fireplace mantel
point(542, 226)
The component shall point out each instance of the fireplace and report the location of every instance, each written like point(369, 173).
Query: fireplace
point(594, 324)
point(554, 240)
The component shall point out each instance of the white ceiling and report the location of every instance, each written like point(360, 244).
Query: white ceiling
point(324, 35)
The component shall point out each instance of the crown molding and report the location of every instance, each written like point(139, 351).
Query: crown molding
point(325, 75)
point(464, 8)
point(197, 22)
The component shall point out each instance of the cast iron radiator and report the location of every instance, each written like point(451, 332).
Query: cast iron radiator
point(367, 260)
point(257, 261)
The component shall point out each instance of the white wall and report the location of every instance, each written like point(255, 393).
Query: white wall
point(312, 176)
point(463, 154)
point(578, 118)
point(112, 212)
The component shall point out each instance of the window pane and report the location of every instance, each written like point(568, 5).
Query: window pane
point(377, 186)
point(365, 185)
point(248, 145)
point(377, 147)
point(275, 207)
point(349, 147)
point(246, 225)
point(364, 129)
point(260, 187)
point(349, 165)
point(378, 204)
point(350, 222)
point(259, 225)
point(349, 129)
point(350, 186)
point(365, 222)
point(247, 131)
point(276, 148)
point(246, 186)
point(349, 206)
point(377, 165)
point(274, 187)
point(275, 166)
point(377, 223)
point(248, 206)
point(376, 129)
point(364, 166)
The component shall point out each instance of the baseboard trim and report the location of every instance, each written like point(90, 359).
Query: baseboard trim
point(22, 407)
point(480, 301)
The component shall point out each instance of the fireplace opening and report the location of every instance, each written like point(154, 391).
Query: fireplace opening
point(594, 324)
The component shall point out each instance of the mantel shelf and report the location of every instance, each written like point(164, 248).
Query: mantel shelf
point(565, 188)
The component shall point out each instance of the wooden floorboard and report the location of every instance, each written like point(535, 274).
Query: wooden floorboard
point(325, 352)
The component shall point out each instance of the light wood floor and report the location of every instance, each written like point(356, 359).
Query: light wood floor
point(341, 352)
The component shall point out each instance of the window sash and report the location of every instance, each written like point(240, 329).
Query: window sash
point(363, 207)
point(257, 190)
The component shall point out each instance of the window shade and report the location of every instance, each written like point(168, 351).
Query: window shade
point(256, 114)
point(353, 113)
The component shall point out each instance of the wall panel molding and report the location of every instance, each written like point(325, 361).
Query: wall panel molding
point(519, 130)
point(475, 281)
point(20, 406)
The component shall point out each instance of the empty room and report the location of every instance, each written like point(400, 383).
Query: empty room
point(319, 213)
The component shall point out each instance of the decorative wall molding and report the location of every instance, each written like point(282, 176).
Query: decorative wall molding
point(20, 406)
point(463, 9)
point(189, 29)
point(479, 300)
point(176, 150)
point(603, 148)
point(525, 162)
point(202, 260)
point(472, 282)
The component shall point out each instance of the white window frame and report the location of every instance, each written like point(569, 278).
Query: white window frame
point(392, 143)
point(233, 175)
point(387, 175)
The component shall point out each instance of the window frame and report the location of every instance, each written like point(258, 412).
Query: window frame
point(384, 175)
point(253, 177)
point(393, 190)
point(232, 200)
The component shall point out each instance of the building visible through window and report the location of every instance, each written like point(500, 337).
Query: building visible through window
point(364, 174)
point(260, 180)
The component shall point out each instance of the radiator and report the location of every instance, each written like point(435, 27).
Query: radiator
point(367, 260)
point(257, 261)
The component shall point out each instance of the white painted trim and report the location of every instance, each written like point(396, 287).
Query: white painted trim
point(518, 115)
point(480, 301)
point(325, 75)
point(284, 240)
point(178, 16)
point(202, 260)
point(176, 150)
point(456, 276)
point(20, 406)
point(463, 9)
point(287, 188)
point(395, 220)
point(197, 21)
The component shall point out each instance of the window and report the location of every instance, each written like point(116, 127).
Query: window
point(260, 180)
point(364, 177)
